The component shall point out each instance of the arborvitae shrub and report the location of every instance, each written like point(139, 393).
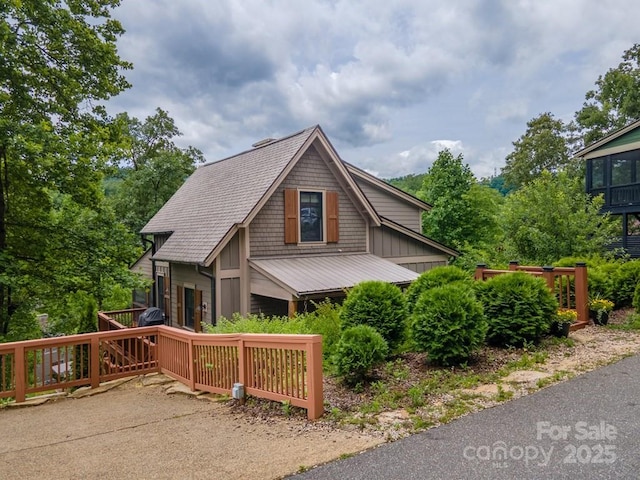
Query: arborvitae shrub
point(436, 277)
point(519, 308)
point(448, 323)
point(359, 349)
point(378, 304)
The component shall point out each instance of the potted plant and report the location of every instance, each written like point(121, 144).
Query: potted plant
point(563, 320)
point(599, 309)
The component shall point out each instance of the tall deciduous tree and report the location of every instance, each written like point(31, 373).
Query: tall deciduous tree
point(58, 59)
point(152, 167)
point(614, 102)
point(551, 217)
point(463, 211)
point(542, 147)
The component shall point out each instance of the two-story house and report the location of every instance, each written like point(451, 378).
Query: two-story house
point(273, 227)
point(613, 170)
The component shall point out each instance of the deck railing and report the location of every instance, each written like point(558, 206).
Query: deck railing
point(118, 319)
point(569, 284)
point(284, 368)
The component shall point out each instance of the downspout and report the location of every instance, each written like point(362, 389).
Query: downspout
point(145, 240)
point(213, 292)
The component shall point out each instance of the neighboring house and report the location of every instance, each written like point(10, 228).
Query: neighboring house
point(613, 170)
point(267, 230)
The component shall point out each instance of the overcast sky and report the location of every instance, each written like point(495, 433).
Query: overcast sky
point(391, 82)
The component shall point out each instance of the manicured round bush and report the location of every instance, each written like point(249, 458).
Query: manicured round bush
point(377, 304)
point(519, 308)
point(436, 277)
point(448, 323)
point(359, 349)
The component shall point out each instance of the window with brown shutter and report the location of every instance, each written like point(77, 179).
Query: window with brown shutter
point(306, 212)
point(290, 216)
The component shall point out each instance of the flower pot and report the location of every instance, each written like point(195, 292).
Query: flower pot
point(560, 330)
point(601, 317)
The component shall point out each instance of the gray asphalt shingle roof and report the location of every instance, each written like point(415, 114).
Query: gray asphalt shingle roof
point(330, 273)
point(218, 196)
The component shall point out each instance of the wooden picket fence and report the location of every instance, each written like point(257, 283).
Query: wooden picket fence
point(285, 368)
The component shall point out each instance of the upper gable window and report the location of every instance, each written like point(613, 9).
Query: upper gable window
point(311, 217)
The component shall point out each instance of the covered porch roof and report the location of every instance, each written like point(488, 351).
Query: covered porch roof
point(292, 278)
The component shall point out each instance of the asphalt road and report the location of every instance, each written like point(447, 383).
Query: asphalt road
point(585, 428)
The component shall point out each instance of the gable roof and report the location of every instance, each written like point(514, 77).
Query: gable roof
point(387, 187)
point(218, 197)
point(596, 149)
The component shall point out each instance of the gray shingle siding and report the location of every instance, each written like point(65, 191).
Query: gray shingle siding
point(387, 243)
point(392, 207)
point(267, 228)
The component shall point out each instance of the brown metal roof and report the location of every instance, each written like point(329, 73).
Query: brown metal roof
point(310, 275)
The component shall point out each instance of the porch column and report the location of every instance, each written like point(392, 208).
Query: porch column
point(293, 308)
point(625, 230)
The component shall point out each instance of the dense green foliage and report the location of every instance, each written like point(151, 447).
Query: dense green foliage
point(448, 323)
point(359, 349)
point(551, 217)
point(519, 308)
point(411, 183)
point(542, 147)
point(324, 320)
point(59, 61)
point(636, 299)
point(150, 167)
point(436, 277)
point(611, 279)
point(378, 304)
point(463, 211)
point(614, 102)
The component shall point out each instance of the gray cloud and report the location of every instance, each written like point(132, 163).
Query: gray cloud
point(233, 72)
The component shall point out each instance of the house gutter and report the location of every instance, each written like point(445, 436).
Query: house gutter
point(145, 240)
point(213, 291)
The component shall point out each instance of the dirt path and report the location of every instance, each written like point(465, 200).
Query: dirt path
point(141, 432)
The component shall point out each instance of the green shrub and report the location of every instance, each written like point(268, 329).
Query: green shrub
point(448, 323)
point(325, 321)
point(519, 308)
point(377, 304)
point(636, 298)
point(359, 349)
point(436, 277)
point(625, 283)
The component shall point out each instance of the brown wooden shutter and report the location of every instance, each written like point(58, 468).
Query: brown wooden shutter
point(290, 216)
point(197, 321)
point(179, 304)
point(333, 233)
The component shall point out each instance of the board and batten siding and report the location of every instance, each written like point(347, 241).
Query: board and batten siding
point(405, 251)
point(182, 274)
point(267, 228)
point(392, 207)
